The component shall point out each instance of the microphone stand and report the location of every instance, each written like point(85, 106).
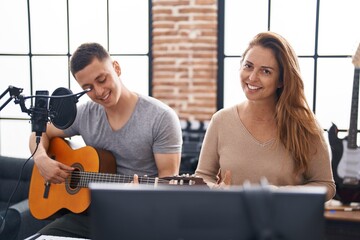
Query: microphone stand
point(38, 121)
point(38, 116)
point(14, 94)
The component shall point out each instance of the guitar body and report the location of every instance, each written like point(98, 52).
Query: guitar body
point(347, 188)
point(47, 199)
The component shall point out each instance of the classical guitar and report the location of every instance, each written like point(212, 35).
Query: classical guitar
point(345, 152)
point(91, 165)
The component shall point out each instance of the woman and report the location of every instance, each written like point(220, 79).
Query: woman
point(273, 133)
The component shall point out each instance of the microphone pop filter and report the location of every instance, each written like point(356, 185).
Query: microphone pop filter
point(62, 108)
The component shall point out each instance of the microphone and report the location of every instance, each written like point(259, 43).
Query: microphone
point(60, 110)
point(39, 116)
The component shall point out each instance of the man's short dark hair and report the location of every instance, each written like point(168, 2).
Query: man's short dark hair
point(85, 54)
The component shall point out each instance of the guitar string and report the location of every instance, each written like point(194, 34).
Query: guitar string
point(82, 179)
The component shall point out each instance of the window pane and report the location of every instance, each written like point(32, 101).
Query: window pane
point(14, 27)
point(233, 93)
point(48, 28)
point(14, 139)
point(50, 73)
point(87, 20)
point(296, 21)
point(307, 72)
point(134, 73)
point(335, 82)
point(10, 74)
point(129, 26)
point(339, 27)
point(243, 20)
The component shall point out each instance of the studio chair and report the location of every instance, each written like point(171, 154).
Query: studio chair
point(19, 223)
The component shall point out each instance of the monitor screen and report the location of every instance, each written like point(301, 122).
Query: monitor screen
point(137, 212)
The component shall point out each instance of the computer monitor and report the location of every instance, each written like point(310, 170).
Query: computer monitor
point(139, 212)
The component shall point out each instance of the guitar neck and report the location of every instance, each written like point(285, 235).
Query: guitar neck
point(82, 179)
point(352, 136)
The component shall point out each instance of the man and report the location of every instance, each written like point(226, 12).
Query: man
point(143, 134)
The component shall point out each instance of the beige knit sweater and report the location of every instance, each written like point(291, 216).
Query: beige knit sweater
point(228, 145)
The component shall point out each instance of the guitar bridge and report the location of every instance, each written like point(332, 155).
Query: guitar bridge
point(47, 189)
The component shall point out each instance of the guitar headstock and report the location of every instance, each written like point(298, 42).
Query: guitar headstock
point(356, 58)
point(185, 180)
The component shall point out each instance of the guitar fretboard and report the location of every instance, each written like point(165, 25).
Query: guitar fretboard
point(352, 136)
point(82, 179)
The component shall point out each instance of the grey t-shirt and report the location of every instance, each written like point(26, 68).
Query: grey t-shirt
point(152, 128)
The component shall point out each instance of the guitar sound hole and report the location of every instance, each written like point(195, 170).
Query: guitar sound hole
point(74, 179)
point(72, 182)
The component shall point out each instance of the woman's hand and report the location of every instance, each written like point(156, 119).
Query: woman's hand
point(135, 179)
point(224, 183)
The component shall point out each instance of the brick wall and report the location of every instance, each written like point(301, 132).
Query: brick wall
point(185, 56)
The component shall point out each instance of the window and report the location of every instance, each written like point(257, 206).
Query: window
point(324, 35)
point(36, 44)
